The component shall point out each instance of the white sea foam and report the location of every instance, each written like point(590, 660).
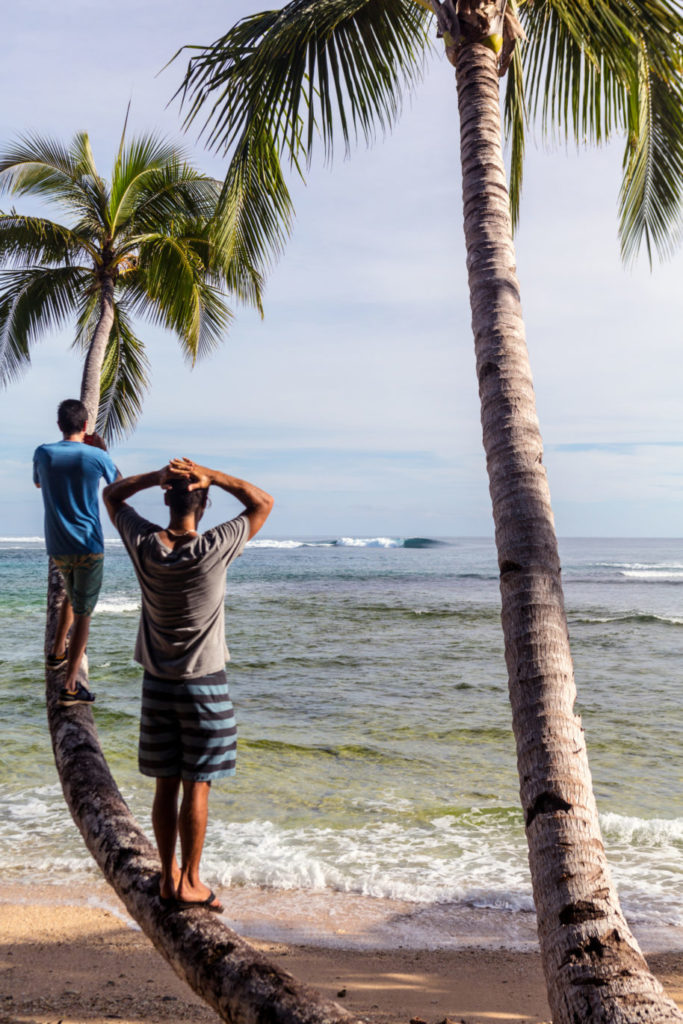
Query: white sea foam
point(22, 540)
point(369, 542)
point(653, 574)
point(598, 620)
point(117, 606)
point(641, 832)
point(459, 879)
point(285, 545)
point(443, 861)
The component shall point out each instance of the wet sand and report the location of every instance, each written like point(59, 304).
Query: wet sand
point(78, 964)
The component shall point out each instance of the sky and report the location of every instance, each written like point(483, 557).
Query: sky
point(354, 400)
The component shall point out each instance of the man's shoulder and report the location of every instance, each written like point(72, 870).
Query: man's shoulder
point(232, 534)
point(126, 519)
point(93, 454)
point(45, 447)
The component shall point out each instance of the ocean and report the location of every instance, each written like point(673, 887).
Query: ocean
point(376, 798)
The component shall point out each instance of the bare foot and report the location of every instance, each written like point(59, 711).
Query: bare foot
point(168, 887)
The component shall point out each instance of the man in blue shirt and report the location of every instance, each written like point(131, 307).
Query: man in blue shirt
point(68, 473)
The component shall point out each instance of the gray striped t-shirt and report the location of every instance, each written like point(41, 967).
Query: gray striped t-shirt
point(182, 622)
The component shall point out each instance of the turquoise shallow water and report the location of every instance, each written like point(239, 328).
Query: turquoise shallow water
point(375, 752)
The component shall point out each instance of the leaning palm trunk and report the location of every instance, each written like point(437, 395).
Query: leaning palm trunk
point(593, 966)
point(224, 970)
point(229, 974)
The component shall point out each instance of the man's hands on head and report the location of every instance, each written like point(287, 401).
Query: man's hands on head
point(200, 476)
point(257, 502)
point(167, 474)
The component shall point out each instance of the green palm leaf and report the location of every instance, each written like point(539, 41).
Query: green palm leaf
point(124, 379)
point(143, 158)
point(650, 198)
point(515, 117)
point(279, 79)
point(37, 240)
point(592, 69)
point(291, 71)
point(34, 300)
point(167, 192)
point(39, 166)
point(174, 287)
point(255, 216)
point(163, 234)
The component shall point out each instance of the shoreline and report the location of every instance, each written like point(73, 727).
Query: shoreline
point(87, 964)
point(332, 920)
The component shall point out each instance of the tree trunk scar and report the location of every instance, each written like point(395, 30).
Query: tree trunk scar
point(546, 803)
point(577, 913)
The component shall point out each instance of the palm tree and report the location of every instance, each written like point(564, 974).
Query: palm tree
point(155, 242)
point(319, 69)
point(152, 242)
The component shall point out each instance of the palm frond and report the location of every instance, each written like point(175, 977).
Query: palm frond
point(254, 216)
point(87, 315)
point(82, 156)
point(39, 166)
point(515, 123)
point(652, 188)
point(581, 55)
point(315, 66)
point(88, 178)
point(173, 285)
point(592, 69)
point(166, 193)
point(37, 240)
point(124, 380)
point(34, 300)
point(135, 163)
point(36, 164)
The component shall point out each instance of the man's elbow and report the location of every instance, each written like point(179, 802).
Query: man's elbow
point(110, 503)
point(267, 504)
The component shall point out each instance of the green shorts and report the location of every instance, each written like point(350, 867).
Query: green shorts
point(82, 579)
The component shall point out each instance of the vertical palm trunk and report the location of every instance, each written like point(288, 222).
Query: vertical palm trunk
point(92, 369)
point(594, 969)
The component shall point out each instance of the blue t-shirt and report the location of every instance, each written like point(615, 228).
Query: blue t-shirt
point(69, 474)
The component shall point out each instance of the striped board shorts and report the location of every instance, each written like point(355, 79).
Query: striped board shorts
point(187, 728)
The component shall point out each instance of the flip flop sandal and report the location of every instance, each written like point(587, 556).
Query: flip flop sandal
point(208, 904)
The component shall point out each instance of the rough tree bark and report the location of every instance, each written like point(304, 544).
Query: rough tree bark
point(229, 974)
point(92, 368)
point(593, 966)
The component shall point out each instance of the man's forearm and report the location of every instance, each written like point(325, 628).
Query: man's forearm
point(251, 496)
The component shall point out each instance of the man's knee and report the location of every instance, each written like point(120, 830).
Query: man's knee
point(167, 784)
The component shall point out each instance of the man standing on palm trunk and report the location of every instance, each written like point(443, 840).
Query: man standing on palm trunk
point(68, 473)
point(187, 727)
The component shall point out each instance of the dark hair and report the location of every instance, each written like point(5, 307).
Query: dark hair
point(182, 501)
point(71, 416)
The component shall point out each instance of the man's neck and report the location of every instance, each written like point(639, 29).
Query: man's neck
point(180, 525)
point(80, 437)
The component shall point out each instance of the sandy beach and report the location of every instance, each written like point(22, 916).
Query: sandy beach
point(78, 964)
